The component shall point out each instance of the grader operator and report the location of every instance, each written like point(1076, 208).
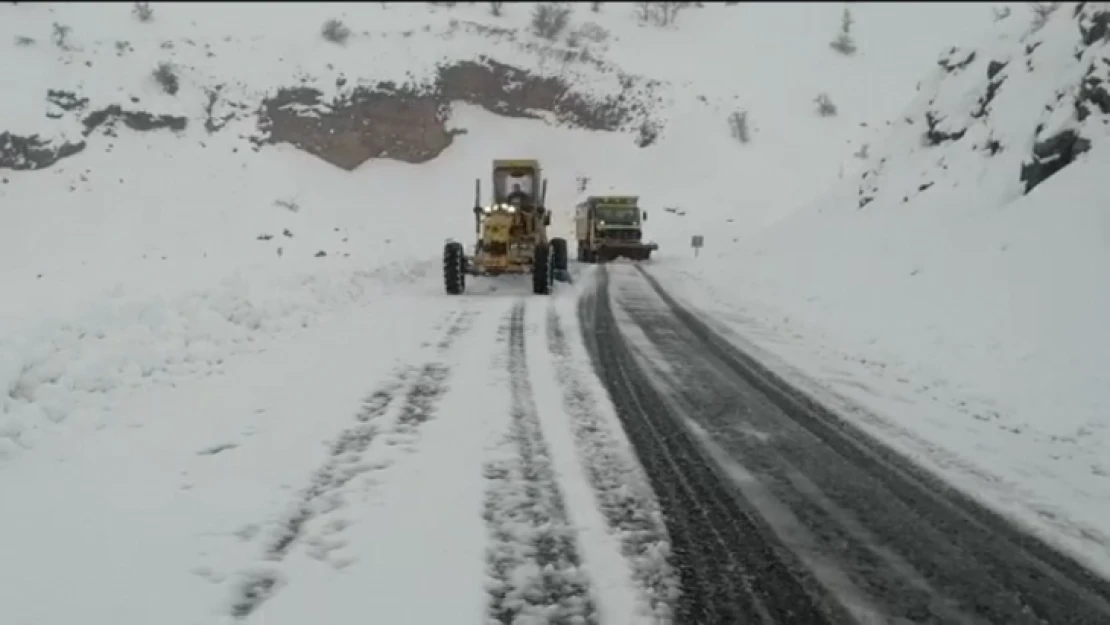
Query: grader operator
point(510, 232)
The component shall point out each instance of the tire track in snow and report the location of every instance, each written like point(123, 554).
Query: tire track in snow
point(346, 461)
point(729, 571)
point(532, 558)
point(619, 482)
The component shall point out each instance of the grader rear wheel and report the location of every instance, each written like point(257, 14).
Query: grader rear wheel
point(543, 275)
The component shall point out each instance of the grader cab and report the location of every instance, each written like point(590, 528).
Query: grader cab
point(510, 232)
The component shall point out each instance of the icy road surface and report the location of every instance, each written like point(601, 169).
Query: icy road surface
point(780, 512)
point(429, 459)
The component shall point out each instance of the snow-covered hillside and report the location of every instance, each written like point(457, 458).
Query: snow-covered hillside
point(163, 211)
point(959, 286)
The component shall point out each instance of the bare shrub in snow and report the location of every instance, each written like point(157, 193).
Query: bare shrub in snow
point(24, 41)
point(647, 134)
point(166, 76)
point(574, 39)
point(335, 31)
point(592, 32)
point(550, 19)
point(1041, 11)
point(143, 12)
point(667, 12)
point(825, 106)
point(595, 7)
point(289, 205)
point(844, 43)
point(60, 36)
point(1001, 13)
point(583, 183)
point(863, 152)
point(738, 126)
point(495, 8)
point(659, 13)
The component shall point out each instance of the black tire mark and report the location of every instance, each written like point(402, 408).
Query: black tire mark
point(456, 328)
point(924, 550)
point(624, 494)
point(731, 571)
point(421, 400)
point(533, 560)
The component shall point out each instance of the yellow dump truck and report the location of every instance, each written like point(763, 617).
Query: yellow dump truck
point(610, 227)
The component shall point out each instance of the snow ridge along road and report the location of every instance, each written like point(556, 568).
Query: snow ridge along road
point(533, 555)
point(623, 491)
point(780, 512)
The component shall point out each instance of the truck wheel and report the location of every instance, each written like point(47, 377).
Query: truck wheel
point(454, 268)
point(559, 255)
point(542, 270)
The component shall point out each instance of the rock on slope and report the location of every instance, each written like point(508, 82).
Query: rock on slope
point(1008, 115)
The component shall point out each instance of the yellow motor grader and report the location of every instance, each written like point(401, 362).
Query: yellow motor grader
point(511, 232)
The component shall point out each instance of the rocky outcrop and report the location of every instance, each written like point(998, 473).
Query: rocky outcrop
point(410, 123)
point(382, 120)
point(23, 153)
point(109, 117)
point(1058, 111)
point(34, 152)
point(1050, 156)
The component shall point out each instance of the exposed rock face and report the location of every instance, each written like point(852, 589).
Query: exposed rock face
point(1050, 156)
point(1065, 108)
point(409, 123)
point(23, 153)
point(141, 121)
point(383, 122)
point(32, 152)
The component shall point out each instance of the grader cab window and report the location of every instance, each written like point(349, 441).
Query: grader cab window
point(515, 185)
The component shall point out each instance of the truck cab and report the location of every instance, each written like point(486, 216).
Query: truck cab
point(610, 227)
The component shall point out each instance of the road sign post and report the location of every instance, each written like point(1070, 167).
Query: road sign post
point(697, 242)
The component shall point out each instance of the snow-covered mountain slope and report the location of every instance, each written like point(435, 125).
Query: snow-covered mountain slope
point(959, 285)
point(179, 206)
point(770, 61)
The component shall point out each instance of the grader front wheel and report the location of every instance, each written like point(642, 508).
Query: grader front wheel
point(454, 268)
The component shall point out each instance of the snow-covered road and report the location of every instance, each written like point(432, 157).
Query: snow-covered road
point(433, 459)
point(782, 511)
point(425, 460)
